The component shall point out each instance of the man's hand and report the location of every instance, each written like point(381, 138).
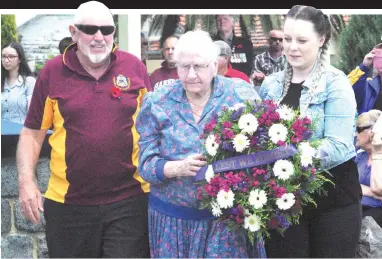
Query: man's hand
point(258, 75)
point(368, 60)
point(30, 200)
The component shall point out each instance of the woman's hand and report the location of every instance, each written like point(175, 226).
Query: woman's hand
point(186, 167)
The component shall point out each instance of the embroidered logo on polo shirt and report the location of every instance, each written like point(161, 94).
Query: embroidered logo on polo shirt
point(121, 82)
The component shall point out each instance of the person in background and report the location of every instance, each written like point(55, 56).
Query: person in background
point(224, 66)
point(17, 83)
point(167, 73)
point(242, 48)
point(96, 202)
point(369, 160)
point(169, 124)
point(368, 90)
point(270, 61)
point(144, 48)
point(322, 93)
point(64, 43)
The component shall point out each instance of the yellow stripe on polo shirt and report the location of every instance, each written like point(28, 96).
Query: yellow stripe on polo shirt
point(58, 185)
point(144, 185)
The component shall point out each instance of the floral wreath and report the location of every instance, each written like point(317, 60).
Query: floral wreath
point(262, 167)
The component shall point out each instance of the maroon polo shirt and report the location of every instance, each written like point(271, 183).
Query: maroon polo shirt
point(94, 154)
point(163, 76)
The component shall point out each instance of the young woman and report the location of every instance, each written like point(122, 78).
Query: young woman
point(17, 83)
point(324, 93)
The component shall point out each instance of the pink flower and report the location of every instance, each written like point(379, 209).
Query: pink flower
point(210, 126)
point(313, 170)
point(228, 134)
point(227, 124)
point(255, 183)
point(307, 121)
point(281, 143)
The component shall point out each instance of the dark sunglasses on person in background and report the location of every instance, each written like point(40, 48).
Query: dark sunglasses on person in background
point(360, 129)
point(145, 43)
point(276, 39)
point(92, 29)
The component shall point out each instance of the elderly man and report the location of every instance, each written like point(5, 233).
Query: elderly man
point(167, 73)
point(270, 61)
point(224, 66)
point(96, 201)
point(242, 48)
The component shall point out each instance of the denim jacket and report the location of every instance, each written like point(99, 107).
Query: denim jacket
point(332, 107)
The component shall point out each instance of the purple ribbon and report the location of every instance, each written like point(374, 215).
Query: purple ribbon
point(247, 161)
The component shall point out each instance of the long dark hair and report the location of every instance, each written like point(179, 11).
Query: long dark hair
point(24, 69)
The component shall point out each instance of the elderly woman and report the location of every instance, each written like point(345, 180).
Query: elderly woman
point(323, 93)
point(369, 162)
point(170, 123)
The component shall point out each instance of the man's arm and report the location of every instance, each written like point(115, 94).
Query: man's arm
point(27, 154)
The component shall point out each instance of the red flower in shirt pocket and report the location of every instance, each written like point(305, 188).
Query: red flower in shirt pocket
point(115, 92)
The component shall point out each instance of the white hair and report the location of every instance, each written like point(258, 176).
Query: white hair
point(196, 42)
point(93, 9)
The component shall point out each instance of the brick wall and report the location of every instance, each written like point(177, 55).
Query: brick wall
point(20, 238)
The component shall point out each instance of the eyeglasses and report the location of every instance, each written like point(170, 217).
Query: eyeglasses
point(360, 129)
point(197, 67)
point(9, 57)
point(276, 39)
point(92, 29)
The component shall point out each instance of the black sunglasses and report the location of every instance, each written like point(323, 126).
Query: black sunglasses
point(92, 29)
point(360, 129)
point(276, 39)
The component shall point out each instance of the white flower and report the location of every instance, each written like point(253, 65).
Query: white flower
point(307, 153)
point(278, 132)
point(285, 113)
point(306, 149)
point(252, 222)
point(306, 160)
point(240, 142)
point(257, 198)
point(248, 123)
point(283, 169)
point(209, 173)
point(211, 145)
point(225, 199)
point(216, 211)
point(286, 201)
point(236, 107)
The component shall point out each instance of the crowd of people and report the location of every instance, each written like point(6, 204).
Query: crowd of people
point(126, 145)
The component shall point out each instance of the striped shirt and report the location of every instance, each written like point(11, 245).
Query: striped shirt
point(265, 64)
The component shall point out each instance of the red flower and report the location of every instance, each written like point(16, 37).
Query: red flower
point(115, 92)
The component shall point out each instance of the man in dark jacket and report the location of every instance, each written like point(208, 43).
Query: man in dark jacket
point(242, 48)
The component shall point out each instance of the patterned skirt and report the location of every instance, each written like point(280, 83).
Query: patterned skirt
point(178, 238)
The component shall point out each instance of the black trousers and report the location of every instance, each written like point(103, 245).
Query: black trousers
point(118, 230)
point(327, 234)
point(375, 213)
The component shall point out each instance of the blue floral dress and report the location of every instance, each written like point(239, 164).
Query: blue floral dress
point(168, 131)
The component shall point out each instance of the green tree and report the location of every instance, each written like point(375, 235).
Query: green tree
point(357, 39)
point(8, 29)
